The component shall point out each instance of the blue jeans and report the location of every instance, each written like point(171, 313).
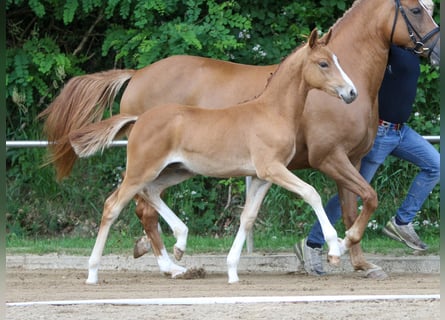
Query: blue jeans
point(405, 144)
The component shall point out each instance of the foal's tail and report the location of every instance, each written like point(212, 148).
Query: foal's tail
point(91, 138)
point(82, 101)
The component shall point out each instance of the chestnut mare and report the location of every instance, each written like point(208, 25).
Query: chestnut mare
point(171, 143)
point(361, 40)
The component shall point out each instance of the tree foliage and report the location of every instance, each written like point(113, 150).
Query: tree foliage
point(50, 41)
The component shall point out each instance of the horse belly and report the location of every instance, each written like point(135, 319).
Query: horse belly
point(219, 166)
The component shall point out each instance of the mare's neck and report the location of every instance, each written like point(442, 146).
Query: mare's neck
point(362, 46)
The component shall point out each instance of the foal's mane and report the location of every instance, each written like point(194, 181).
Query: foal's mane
point(276, 70)
point(281, 63)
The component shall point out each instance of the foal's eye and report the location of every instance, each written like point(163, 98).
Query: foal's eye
point(323, 64)
point(416, 10)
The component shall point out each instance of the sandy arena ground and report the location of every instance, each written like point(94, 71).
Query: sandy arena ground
point(68, 284)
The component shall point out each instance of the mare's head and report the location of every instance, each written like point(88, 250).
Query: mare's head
point(414, 27)
point(322, 70)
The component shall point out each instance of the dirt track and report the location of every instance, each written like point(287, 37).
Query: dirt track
point(43, 285)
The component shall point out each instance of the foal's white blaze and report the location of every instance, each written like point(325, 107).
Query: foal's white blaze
point(347, 93)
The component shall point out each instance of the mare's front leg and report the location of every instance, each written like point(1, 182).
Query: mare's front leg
point(255, 195)
point(112, 208)
point(350, 184)
point(348, 201)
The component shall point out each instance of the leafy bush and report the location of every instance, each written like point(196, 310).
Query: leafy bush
point(50, 41)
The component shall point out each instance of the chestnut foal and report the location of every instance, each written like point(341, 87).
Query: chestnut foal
point(171, 143)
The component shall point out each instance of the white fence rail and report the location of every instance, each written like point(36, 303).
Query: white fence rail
point(123, 143)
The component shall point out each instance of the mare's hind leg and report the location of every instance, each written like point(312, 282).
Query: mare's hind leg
point(256, 193)
point(112, 208)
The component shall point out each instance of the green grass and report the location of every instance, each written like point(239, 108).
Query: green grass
point(121, 244)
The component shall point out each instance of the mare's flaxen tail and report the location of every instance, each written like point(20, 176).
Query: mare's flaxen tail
point(82, 101)
point(89, 139)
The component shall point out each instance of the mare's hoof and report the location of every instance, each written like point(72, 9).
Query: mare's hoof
point(377, 274)
point(178, 253)
point(141, 247)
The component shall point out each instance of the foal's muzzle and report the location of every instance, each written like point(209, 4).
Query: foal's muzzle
point(348, 95)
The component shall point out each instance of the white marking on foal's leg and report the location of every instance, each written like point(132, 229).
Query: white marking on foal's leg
point(329, 233)
point(234, 255)
point(112, 207)
point(93, 277)
point(180, 230)
point(96, 254)
point(166, 265)
point(257, 192)
point(342, 246)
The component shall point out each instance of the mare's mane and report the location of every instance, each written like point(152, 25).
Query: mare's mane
point(347, 15)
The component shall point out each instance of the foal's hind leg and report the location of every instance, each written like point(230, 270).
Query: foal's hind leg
point(149, 218)
point(170, 176)
point(112, 208)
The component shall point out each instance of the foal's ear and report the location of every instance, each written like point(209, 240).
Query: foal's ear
point(313, 38)
point(327, 37)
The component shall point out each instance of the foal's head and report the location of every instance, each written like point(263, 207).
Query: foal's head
point(322, 71)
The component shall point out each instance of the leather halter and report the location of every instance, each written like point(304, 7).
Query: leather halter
point(419, 45)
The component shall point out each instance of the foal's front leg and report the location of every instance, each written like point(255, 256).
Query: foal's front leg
point(256, 193)
point(280, 175)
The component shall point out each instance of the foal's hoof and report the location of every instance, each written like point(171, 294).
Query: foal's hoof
point(178, 253)
point(334, 260)
point(141, 247)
